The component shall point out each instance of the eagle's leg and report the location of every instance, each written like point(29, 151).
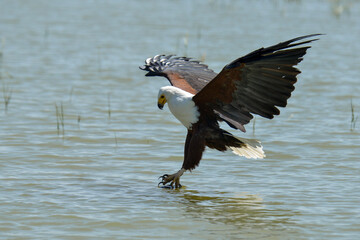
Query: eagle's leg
point(173, 179)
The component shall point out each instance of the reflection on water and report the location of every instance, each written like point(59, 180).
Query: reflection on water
point(242, 210)
point(245, 213)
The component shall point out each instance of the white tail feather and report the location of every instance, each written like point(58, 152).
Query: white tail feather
point(252, 149)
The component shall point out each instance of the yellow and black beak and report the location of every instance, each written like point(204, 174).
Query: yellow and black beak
point(161, 102)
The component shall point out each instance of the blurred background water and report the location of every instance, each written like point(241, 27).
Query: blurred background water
point(82, 141)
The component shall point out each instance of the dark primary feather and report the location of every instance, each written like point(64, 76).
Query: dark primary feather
point(257, 83)
point(182, 72)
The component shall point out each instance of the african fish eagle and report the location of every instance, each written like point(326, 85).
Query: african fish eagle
point(256, 83)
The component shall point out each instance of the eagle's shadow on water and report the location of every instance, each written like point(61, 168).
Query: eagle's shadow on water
point(243, 210)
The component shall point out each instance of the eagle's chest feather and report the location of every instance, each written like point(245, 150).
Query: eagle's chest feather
point(184, 109)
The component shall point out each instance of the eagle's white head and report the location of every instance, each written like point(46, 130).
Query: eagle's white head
point(180, 104)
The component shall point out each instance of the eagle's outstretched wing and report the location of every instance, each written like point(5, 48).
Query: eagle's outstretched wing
point(182, 72)
point(254, 84)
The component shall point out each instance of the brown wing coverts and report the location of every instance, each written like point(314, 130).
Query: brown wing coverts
point(182, 72)
point(257, 83)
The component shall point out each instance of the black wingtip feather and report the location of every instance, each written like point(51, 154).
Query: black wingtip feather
point(280, 47)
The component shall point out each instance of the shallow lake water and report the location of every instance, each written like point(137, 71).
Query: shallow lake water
point(82, 142)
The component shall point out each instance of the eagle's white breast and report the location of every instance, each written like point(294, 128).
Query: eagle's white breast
point(181, 105)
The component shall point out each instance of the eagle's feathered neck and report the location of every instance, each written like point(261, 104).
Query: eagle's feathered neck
point(181, 105)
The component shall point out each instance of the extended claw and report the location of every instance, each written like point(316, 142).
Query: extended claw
point(163, 177)
point(168, 181)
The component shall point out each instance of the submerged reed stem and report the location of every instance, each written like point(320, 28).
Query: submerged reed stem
point(78, 120)
point(7, 92)
point(60, 124)
point(353, 118)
